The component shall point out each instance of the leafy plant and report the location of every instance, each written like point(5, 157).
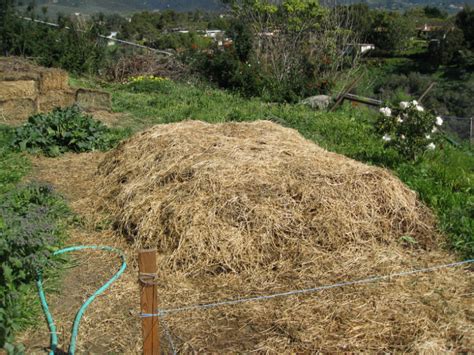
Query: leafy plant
point(61, 131)
point(30, 229)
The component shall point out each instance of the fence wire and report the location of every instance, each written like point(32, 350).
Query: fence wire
point(167, 311)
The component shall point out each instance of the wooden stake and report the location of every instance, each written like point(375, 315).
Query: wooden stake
point(149, 301)
point(426, 92)
point(344, 92)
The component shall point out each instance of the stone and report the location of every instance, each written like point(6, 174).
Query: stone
point(318, 102)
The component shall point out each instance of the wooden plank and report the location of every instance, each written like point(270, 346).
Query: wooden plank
point(149, 301)
point(363, 100)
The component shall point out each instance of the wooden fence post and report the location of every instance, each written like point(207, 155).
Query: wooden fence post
point(428, 89)
point(149, 301)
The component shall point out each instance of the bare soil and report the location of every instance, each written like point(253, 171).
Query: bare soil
point(111, 323)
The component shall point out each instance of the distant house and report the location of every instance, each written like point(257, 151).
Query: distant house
point(365, 47)
point(214, 34)
point(428, 31)
point(359, 48)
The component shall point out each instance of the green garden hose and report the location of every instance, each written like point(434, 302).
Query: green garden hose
point(80, 313)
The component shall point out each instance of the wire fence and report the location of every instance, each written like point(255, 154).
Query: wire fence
point(162, 313)
point(461, 128)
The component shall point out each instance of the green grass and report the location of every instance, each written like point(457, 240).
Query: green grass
point(13, 165)
point(443, 179)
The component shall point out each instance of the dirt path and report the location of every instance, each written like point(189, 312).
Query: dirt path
point(110, 323)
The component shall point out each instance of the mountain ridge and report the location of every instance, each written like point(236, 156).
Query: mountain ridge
point(124, 6)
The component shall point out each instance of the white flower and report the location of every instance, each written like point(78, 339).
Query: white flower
point(387, 138)
point(386, 111)
point(399, 119)
point(414, 102)
point(404, 105)
point(419, 108)
point(431, 146)
point(434, 130)
point(402, 136)
point(439, 121)
point(428, 136)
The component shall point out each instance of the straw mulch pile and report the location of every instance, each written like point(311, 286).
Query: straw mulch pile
point(241, 209)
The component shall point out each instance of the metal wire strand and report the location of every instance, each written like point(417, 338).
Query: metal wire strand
point(164, 312)
point(166, 328)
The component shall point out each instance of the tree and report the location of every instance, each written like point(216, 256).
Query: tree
point(446, 48)
point(243, 40)
point(7, 25)
point(360, 18)
point(296, 42)
point(434, 12)
point(390, 31)
point(465, 21)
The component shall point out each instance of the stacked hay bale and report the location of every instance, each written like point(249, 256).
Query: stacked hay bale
point(254, 208)
point(27, 89)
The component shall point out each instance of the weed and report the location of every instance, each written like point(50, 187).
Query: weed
point(30, 230)
point(61, 131)
point(31, 225)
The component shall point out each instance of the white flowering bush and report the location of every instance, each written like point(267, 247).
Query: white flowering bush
point(410, 129)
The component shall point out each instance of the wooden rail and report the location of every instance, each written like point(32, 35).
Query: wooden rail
point(362, 100)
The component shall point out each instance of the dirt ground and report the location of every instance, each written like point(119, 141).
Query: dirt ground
point(116, 309)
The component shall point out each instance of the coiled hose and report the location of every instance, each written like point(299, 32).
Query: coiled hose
point(80, 313)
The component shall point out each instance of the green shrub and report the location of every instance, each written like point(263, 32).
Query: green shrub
point(61, 131)
point(410, 130)
point(30, 229)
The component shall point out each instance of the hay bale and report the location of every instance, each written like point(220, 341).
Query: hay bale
point(14, 111)
point(19, 75)
point(22, 89)
point(52, 99)
point(53, 80)
point(91, 100)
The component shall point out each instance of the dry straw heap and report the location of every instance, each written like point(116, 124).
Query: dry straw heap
point(241, 209)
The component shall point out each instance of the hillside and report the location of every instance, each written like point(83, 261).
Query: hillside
point(126, 6)
point(442, 179)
